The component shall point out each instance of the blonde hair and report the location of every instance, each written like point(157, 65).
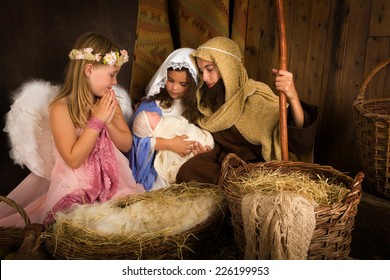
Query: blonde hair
point(75, 85)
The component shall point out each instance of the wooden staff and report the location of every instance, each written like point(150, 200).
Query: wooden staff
point(283, 66)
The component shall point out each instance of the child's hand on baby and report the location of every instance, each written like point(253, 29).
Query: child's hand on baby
point(200, 149)
point(182, 146)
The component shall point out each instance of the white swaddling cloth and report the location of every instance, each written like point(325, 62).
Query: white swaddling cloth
point(167, 163)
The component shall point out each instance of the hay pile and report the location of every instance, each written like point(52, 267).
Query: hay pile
point(154, 225)
point(321, 191)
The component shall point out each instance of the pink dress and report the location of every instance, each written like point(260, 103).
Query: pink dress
point(38, 195)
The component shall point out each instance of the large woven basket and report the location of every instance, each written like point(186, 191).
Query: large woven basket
point(13, 236)
point(332, 235)
point(372, 117)
point(194, 243)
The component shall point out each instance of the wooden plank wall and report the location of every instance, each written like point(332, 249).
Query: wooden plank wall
point(332, 45)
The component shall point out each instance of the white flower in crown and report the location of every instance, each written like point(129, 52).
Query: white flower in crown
point(110, 58)
point(79, 56)
point(88, 50)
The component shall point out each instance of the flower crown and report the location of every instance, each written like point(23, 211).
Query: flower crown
point(113, 58)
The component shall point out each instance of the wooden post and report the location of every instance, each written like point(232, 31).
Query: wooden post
point(283, 66)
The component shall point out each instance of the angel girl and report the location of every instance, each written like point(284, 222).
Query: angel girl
point(90, 135)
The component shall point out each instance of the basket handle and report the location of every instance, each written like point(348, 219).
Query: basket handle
point(360, 95)
point(356, 188)
point(13, 204)
point(226, 167)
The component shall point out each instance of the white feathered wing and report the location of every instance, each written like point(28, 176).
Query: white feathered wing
point(124, 101)
point(28, 127)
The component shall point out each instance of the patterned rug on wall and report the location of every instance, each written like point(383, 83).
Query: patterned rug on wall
point(153, 44)
point(209, 18)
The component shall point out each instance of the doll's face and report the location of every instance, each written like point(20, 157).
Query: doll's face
point(177, 83)
point(153, 118)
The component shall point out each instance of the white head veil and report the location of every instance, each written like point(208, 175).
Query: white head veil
point(177, 60)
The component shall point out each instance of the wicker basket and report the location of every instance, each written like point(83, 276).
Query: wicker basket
point(332, 235)
point(194, 243)
point(372, 119)
point(13, 236)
